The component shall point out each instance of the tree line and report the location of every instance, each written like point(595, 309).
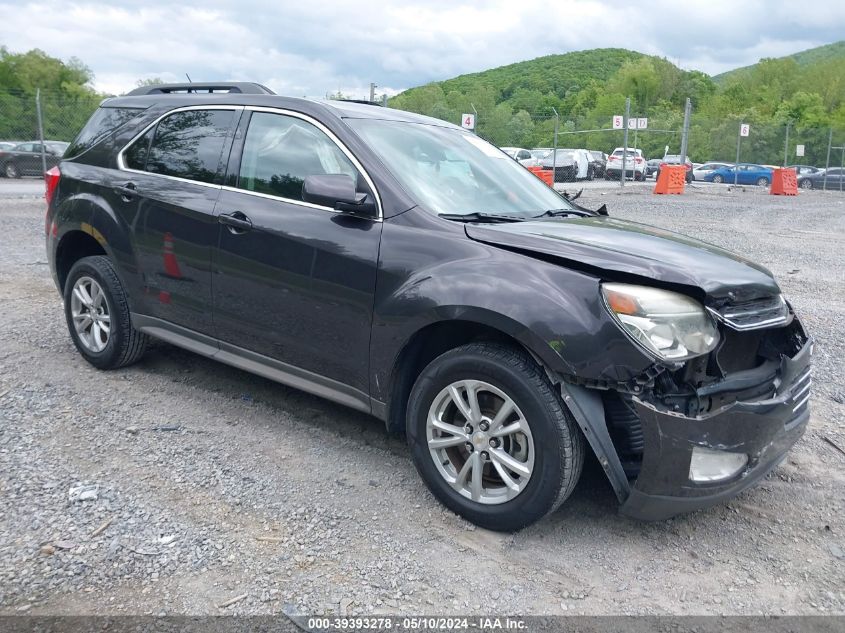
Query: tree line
point(516, 104)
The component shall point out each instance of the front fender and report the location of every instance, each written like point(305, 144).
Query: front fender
point(555, 312)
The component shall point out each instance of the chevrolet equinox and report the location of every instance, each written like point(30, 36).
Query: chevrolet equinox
point(404, 267)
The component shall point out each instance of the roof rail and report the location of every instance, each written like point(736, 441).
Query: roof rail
point(363, 101)
point(230, 87)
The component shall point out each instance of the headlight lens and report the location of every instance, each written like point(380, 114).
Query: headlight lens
point(670, 325)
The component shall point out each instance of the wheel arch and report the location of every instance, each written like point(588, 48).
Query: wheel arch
point(73, 246)
point(436, 338)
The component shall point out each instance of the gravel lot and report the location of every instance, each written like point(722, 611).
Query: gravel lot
point(213, 484)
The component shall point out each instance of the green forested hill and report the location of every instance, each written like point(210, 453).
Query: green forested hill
point(516, 103)
point(828, 53)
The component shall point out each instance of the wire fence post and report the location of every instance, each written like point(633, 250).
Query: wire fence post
point(736, 164)
point(685, 133)
point(475, 112)
point(827, 162)
point(625, 140)
point(786, 144)
point(554, 148)
point(40, 131)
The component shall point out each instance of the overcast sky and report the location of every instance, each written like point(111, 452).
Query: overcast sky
point(308, 48)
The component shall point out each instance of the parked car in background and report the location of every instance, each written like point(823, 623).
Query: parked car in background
point(833, 178)
point(652, 165)
point(24, 159)
point(564, 164)
point(599, 163)
point(675, 159)
point(520, 155)
point(635, 164)
point(8, 144)
point(805, 170)
point(743, 174)
point(540, 152)
point(701, 172)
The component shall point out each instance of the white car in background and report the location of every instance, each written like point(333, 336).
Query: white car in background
point(522, 156)
point(635, 164)
point(698, 173)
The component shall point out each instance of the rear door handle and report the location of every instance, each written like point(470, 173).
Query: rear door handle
point(237, 222)
point(127, 191)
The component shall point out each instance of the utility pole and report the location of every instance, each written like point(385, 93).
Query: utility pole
point(685, 133)
point(373, 92)
point(554, 148)
point(475, 112)
point(625, 141)
point(786, 144)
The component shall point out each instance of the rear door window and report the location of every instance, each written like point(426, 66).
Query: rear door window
point(186, 144)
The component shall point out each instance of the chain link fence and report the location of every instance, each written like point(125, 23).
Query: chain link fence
point(26, 119)
point(709, 139)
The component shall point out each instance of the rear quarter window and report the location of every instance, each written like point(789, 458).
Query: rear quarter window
point(101, 124)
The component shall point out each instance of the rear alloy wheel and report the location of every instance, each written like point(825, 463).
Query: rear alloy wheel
point(718, 178)
point(97, 314)
point(763, 182)
point(491, 437)
point(806, 184)
point(12, 171)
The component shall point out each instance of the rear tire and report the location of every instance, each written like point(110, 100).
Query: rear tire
point(806, 184)
point(98, 317)
point(763, 182)
point(553, 445)
point(11, 170)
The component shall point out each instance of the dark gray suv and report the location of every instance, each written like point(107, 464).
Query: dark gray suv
point(407, 268)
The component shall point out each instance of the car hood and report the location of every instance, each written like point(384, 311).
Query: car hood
point(613, 248)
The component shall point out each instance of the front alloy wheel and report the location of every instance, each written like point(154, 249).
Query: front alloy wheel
point(491, 436)
point(480, 442)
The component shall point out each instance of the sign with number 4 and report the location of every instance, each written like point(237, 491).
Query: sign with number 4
point(468, 121)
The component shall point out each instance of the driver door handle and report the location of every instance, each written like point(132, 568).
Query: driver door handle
point(126, 192)
point(237, 222)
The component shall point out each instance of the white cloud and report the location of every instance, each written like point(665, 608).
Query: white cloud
point(302, 48)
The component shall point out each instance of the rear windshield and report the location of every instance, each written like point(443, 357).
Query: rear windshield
point(102, 123)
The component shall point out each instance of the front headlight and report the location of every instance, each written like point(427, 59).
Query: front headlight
point(667, 324)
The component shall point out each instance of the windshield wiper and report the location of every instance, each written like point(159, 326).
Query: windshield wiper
point(560, 213)
point(477, 216)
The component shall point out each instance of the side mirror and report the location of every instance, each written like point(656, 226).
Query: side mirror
point(338, 192)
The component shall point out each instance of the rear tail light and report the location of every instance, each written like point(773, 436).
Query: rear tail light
point(51, 179)
point(51, 182)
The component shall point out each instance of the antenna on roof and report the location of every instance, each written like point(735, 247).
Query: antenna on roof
point(189, 78)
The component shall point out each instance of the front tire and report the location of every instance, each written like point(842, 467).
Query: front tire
point(12, 171)
point(491, 438)
point(718, 178)
point(806, 184)
point(97, 315)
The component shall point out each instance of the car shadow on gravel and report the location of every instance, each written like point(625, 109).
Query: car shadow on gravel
point(592, 499)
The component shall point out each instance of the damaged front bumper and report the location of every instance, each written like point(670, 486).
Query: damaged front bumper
point(761, 429)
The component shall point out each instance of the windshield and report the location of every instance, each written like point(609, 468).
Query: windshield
point(453, 172)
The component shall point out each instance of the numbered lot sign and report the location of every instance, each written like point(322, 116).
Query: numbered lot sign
point(744, 129)
point(618, 121)
point(468, 121)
